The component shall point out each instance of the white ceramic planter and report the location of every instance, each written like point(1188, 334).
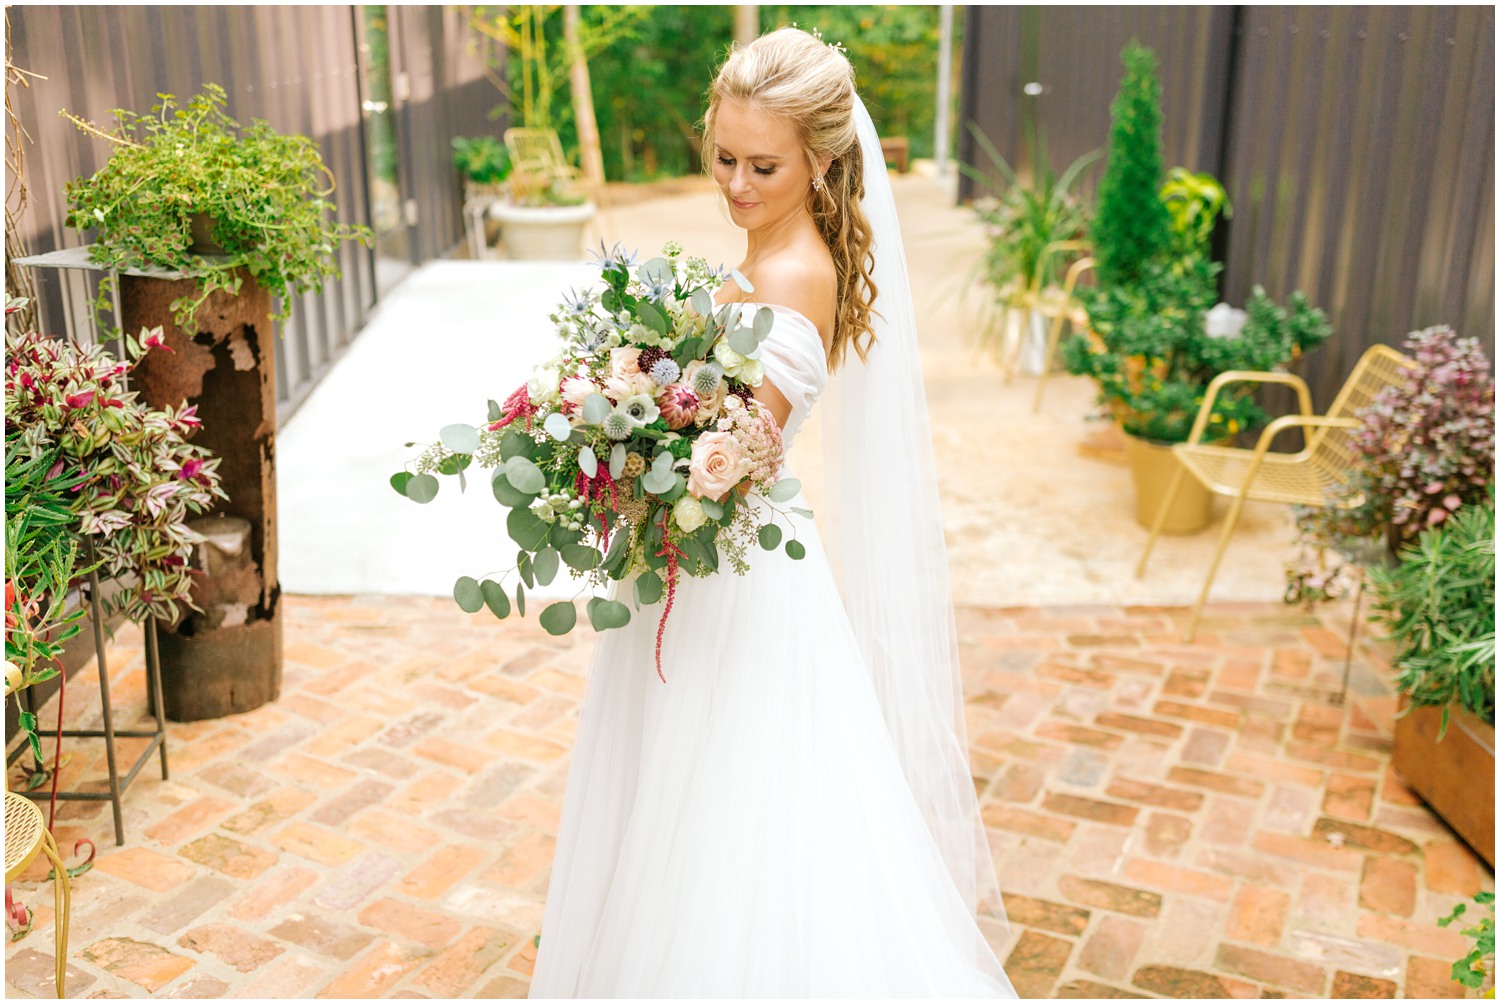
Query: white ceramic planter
point(543, 233)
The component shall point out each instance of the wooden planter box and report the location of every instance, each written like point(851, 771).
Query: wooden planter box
point(1455, 777)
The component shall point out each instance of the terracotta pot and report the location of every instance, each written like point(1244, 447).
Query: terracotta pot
point(1455, 777)
point(1152, 465)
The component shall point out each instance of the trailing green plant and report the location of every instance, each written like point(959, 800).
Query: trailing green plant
point(1028, 226)
point(263, 194)
point(1131, 226)
point(134, 477)
point(484, 160)
point(1425, 449)
point(1152, 357)
point(1439, 604)
point(1479, 964)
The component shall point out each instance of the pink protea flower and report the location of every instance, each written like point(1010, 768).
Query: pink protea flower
point(575, 390)
point(678, 404)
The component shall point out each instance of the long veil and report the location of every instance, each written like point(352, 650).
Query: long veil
point(885, 540)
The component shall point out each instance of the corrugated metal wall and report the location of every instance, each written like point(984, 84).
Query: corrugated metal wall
point(296, 67)
point(1357, 144)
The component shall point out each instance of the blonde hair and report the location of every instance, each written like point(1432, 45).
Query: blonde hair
point(790, 74)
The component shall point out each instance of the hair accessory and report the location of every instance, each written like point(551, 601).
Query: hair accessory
point(818, 34)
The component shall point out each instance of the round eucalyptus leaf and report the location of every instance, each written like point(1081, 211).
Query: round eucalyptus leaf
point(656, 272)
point(508, 494)
point(711, 509)
point(561, 535)
point(580, 557)
point(608, 614)
point(657, 480)
point(544, 566)
point(595, 408)
point(526, 528)
point(702, 301)
point(495, 412)
point(399, 481)
point(525, 475)
point(520, 599)
point(770, 536)
point(648, 588)
point(495, 598)
point(588, 463)
point(559, 617)
point(652, 317)
point(557, 426)
point(785, 490)
point(455, 463)
point(525, 571)
point(678, 489)
point(741, 281)
point(795, 550)
point(742, 340)
point(422, 488)
point(617, 455)
point(765, 317)
point(460, 438)
point(466, 593)
point(807, 513)
point(515, 443)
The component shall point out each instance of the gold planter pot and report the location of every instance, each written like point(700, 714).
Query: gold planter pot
point(1152, 466)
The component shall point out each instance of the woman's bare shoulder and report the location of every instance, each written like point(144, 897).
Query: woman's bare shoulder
point(803, 280)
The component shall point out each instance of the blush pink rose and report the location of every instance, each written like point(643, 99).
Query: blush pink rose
point(625, 361)
point(718, 464)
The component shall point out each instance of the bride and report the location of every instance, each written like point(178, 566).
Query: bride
point(791, 813)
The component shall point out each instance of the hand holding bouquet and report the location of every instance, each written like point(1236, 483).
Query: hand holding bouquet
point(633, 449)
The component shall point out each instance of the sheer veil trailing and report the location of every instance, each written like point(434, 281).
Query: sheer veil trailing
point(884, 536)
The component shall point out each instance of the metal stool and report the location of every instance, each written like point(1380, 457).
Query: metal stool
point(25, 835)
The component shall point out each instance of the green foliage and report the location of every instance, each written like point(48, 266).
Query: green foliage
point(1474, 968)
point(1030, 226)
point(484, 160)
point(138, 478)
point(265, 193)
point(1131, 227)
point(1439, 604)
point(1194, 202)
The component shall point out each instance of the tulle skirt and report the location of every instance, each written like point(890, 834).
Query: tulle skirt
point(744, 829)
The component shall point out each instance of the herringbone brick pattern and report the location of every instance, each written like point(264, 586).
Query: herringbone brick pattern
point(1169, 820)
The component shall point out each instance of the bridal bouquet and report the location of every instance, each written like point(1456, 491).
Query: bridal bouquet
point(633, 449)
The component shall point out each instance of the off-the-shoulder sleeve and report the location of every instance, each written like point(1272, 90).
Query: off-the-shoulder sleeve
point(793, 360)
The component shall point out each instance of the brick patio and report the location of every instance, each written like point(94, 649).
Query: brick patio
point(1169, 820)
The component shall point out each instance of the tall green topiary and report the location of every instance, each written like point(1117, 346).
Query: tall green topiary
point(1131, 227)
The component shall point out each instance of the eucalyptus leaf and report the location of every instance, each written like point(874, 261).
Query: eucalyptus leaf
point(648, 588)
point(770, 536)
point(617, 455)
point(712, 509)
point(559, 618)
point(765, 317)
point(525, 570)
point(652, 317)
point(422, 488)
point(466, 593)
point(617, 549)
point(702, 301)
point(588, 463)
point(741, 281)
point(508, 494)
point(657, 481)
point(515, 443)
point(495, 412)
point(520, 599)
point(806, 513)
point(460, 438)
point(581, 557)
point(544, 565)
point(526, 528)
point(561, 535)
point(679, 487)
point(742, 340)
point(785, 490)
point(495, 598)
point(455, 463)
point(557, 426)
point(656, 272)
point(608, 614)
point(795, 550)
point(595, 408)
point(525, 475)
point(399, 481)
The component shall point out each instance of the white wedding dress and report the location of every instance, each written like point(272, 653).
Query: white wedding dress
point(745, 829)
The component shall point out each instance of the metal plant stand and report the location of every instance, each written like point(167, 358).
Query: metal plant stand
point(118, 783)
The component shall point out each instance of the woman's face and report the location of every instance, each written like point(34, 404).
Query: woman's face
point(759, 165)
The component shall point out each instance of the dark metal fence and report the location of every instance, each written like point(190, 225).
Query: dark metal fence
point(301, 69)
point(1356, 143)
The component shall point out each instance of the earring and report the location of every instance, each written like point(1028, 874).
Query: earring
point(818, 183)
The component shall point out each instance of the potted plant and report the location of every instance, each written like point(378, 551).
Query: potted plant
point(1156, 341)
point(1035, 231)
point(1438, 603)
point(190, 189)
point(485, 164)
point(545, 215)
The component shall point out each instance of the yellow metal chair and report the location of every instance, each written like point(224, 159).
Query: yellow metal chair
point(1069, 311)
point(26, 835)
point(539, 151)
point(1312, 477)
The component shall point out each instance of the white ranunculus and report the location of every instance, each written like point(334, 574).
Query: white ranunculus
point(728, 358)
point(1224, 321)
point(687, 513)
point(542, 387)
point(751, 372)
